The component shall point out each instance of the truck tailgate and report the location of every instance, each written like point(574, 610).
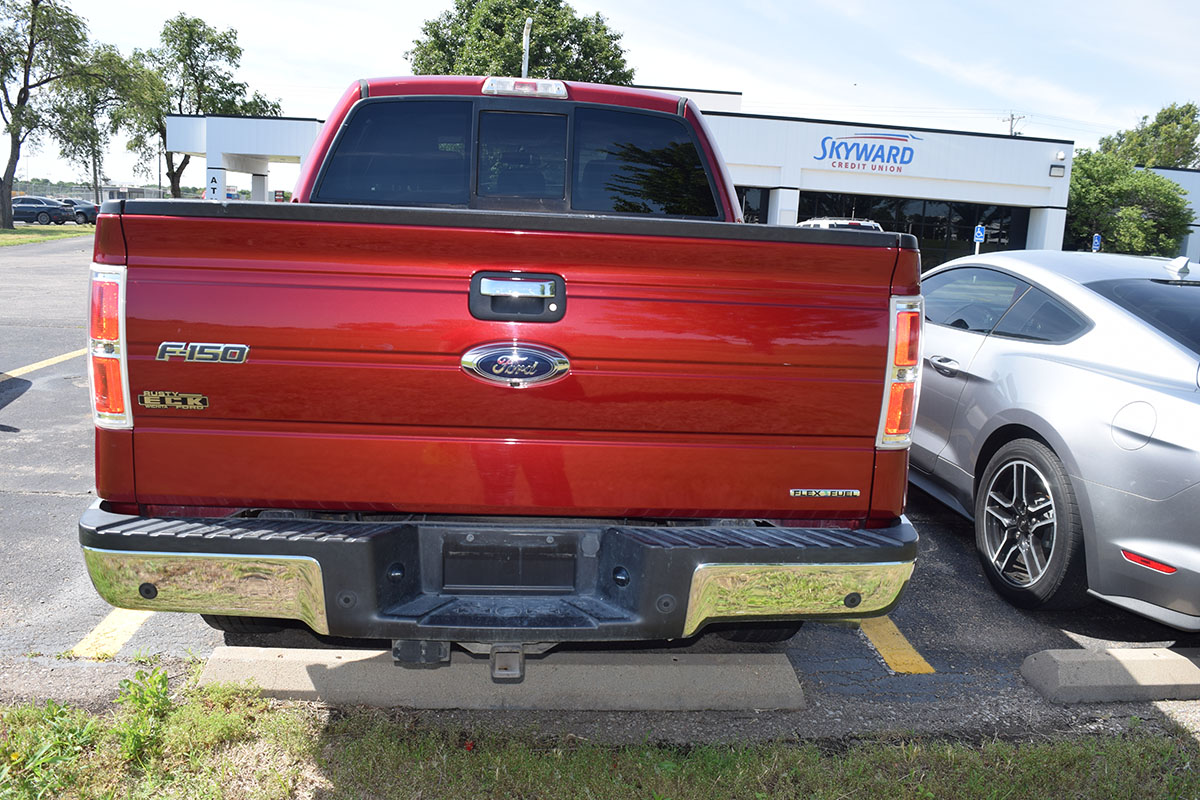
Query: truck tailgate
point(708, 377)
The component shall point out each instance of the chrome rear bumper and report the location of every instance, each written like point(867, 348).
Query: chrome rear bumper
point(578, 582)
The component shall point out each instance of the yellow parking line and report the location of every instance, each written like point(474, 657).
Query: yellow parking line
point(107, 638)
point(895, 650)
point(49, 362)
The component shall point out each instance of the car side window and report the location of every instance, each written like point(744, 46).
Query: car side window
point(970, 298)
point(1038, 317)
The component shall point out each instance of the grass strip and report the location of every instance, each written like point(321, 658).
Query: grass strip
point(228, 741)
point(27, 234)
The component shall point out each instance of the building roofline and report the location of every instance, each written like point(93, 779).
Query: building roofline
point(883, 125)
point(680, 89)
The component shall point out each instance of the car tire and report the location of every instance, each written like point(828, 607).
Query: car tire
point(759, 632)
point(81, 218)
point(1028, 531)
point(43, 218)
point(60, 222)
point(243, 624)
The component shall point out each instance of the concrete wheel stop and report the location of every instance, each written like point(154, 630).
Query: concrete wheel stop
point(557, 681)
point(1114, 675)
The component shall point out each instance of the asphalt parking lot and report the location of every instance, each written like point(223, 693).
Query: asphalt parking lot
point(954, 668)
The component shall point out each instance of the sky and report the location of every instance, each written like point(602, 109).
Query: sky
point(1065, 69)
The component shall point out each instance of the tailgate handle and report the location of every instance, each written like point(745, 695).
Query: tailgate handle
point(490, 287)
point(517, 296)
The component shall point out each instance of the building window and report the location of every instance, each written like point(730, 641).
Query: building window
point(756, 203)
point(944, 230)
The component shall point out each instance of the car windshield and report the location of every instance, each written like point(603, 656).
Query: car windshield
point(1171, 307)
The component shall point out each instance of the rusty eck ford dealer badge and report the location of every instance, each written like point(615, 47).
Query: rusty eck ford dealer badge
point(515, 365)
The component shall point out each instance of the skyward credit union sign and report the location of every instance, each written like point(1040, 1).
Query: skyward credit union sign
point(879, 152)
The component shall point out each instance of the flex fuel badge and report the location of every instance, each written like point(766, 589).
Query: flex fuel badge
point(823, 493)
point(180, 401)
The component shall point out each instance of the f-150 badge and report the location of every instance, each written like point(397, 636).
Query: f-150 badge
point(515, 365)
point(203, 351)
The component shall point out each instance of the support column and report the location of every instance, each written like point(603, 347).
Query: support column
point(783, 207)
point(1046, 228)
point(214, 186)
point(258, 188)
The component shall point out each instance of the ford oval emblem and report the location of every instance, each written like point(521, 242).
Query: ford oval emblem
point(515, 365)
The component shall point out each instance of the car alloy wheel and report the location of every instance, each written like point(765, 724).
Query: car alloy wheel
point(80, 218)
point(43, 218)
point(1027, 528)
point(1019, 526)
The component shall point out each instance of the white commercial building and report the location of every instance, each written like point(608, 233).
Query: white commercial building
point(241, 144)
point(938, 185)
point(1189, 179)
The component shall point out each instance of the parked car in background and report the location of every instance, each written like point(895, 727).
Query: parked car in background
point(833, 222)
point(83, 211)
point(1061, 411)
point(41, 210)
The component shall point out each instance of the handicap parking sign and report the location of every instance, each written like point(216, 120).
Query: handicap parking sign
point(980, 233)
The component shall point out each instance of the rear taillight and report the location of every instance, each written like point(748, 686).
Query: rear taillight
point(106, 348)
point(903, 374)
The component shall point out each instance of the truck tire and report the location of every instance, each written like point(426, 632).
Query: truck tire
point(243, 624)
point(1028, 531)
point(759, 632)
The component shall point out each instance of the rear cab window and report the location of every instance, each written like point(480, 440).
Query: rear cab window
point(401, 153)
point(638, 164)
point(522, 155)
point(540, 155)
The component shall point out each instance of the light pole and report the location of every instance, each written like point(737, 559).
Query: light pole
point(525, 47)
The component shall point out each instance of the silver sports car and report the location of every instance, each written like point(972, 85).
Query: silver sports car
point(1060, 410)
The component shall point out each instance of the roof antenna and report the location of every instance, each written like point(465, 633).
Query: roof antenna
point(525, 47)
point(1179, 266)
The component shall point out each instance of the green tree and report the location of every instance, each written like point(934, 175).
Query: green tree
point(484, 37)
point(1172, 139)
point(1135, 211)
point(41, 42)
point(81, 110)
point(191, 72)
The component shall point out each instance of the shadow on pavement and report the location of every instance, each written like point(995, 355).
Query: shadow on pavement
point(10, 390)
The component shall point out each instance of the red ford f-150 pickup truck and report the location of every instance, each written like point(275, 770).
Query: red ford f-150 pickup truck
point(506, 373)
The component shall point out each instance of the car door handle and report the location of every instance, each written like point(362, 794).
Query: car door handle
point(944, 365)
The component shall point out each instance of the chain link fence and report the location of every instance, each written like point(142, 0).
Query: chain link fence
point(84, 192)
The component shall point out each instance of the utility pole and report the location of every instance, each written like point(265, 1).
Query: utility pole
point(1013, 118)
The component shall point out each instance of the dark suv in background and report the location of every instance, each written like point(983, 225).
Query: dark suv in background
point(83, 211)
